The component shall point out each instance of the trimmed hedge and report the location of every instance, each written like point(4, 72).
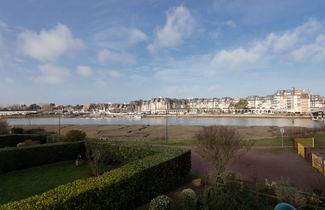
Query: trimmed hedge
point(25, 157)
point(123, 152)
point(13, 139)
point(127, 187)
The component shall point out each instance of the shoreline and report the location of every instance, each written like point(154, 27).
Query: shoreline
point(159, 116)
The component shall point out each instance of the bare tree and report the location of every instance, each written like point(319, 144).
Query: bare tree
point(220, 144)
point(4, 127)
point(95, 155)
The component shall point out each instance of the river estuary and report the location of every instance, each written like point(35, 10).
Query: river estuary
point(171, 121)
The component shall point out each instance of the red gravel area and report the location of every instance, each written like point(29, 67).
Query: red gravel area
point(271, 163)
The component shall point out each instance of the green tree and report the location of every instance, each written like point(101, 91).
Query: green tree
point(75, 135)
point(241, 104)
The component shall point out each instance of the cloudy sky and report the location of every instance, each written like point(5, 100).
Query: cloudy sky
point(82, 51)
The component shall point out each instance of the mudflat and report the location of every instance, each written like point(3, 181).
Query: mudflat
point(154, 132)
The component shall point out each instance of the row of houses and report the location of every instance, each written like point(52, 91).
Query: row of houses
point(291, 101)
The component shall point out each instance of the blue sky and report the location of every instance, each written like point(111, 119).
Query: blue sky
point(79, 51)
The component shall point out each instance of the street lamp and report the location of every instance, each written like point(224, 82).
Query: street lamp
point(166, 134)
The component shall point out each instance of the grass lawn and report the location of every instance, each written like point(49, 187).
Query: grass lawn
point(276, 141)
point(182, 142)
point(20, 184)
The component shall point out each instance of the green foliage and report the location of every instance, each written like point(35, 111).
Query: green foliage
point(13, 139)
point(17, 131)
point(75, 135)
point(127, 187)
point(4, 127)
point(218, 198)
point(161, 202)
point(25, 157)
point(188, 199)
point(28, 131)
point(241, 104)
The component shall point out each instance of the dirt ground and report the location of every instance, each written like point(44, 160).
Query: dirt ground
point(154, 132)
point(262, 163)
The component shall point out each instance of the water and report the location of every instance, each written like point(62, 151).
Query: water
point(171, 121)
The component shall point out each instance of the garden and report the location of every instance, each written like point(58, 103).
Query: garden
point(89, 174)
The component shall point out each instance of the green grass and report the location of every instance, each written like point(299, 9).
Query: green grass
point(17, 185)
point(182, 142)
point(319, 141)
point(277, 141)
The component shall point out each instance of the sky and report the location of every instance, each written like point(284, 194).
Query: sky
point(81, 51)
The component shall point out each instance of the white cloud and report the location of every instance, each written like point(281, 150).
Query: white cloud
point(298, 44)
point(117, 38)
point(230, 23)
point(85, 71)
point(108, 56)
point(314, 52)
point(48, 45)
point(3, 26)
point(235, 58)
point(52, 74)
point(179, 25)
point(114, 74)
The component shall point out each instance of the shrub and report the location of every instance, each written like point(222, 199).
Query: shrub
point(218, 198)
point(17, 131)
point(95, 156)
point(25, 157)
point(188, 199)
point(161, 202)
point(4, 127)
point(290, 195)
point(75, 135)
point(35, 131)
point(127, 187)
point(13, 139)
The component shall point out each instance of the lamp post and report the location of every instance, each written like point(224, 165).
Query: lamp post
point(166, 134)
point(282, 132)
point(59, 124)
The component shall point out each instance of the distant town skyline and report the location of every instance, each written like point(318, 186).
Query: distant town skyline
point(78, 52)
point(255, 97)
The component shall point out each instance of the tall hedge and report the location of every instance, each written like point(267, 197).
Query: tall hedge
point(127, 187)
point(13, 139)
point(24, 157)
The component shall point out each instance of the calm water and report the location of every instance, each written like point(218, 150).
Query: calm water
point(172, 121)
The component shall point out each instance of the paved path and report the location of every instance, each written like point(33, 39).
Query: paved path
point(267, 162)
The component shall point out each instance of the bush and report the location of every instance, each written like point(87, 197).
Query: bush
point(75, 135)
point(13, 139)
point(161, 202)
point(218, 198)
point(35, 131)
point(127, 187)
point(290, 195)
point(25, 157)
point(17, 131)
point(4, 127)
point(28, 131)
point(188, 199)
